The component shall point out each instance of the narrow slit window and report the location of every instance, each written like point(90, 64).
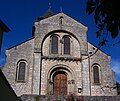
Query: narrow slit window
point(61, 20)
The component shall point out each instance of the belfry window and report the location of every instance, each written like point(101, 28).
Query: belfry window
point(54, 44)
point(66, 45)
point(96, 74)
point(21, 70)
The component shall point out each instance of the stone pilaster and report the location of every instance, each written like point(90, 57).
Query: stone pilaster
point(36, 74)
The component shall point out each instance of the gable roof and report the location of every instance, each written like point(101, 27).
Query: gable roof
point(47, 14)
point(50, 13)
point(99, 48)
point(19, 43)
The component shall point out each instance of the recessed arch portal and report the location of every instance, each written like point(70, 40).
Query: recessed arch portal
point(58, 80)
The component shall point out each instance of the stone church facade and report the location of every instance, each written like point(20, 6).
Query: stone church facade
point(58, 60)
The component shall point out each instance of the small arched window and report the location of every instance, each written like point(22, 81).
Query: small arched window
point(96, 74)
point(61, 20)
point(54, 44)
point(66, 45)
point(21, 70)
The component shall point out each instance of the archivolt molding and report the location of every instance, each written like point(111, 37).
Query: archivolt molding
point(69, 72)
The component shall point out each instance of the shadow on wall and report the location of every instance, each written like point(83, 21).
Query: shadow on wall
point(6, 92)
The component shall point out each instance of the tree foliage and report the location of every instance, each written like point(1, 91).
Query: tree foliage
point(106, 16)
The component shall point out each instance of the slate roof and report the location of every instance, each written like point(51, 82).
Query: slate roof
point(47, 14)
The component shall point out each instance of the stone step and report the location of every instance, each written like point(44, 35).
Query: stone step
point(68, 98)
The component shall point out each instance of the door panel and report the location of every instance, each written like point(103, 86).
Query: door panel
point(60, 84)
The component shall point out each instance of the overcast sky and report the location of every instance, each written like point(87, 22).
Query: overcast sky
point(19, 16)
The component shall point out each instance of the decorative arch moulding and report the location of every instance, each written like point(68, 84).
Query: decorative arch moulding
point(61, 58)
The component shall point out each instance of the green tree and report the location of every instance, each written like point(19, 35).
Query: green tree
point(106, 16)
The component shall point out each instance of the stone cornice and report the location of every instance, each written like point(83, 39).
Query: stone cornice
point(61, 58)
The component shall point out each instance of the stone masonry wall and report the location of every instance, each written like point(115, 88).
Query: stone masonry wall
point(44, 27)
point(64, 98)
point(14, 54)
point(72, 66)
point(78, 47)
point(40, 62)
point(106, 88)
point(43, 30)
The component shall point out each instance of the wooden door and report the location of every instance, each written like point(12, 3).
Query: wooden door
point(60, 84)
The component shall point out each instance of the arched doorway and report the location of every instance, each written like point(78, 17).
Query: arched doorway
point(59, 78)
point(60, 83)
